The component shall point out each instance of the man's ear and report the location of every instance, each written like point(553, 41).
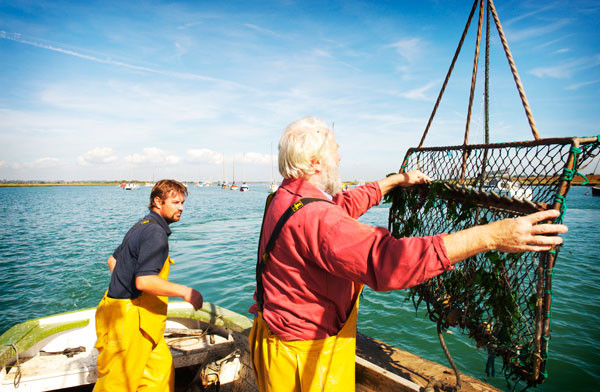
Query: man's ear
point(316, 165)
point(158, 202)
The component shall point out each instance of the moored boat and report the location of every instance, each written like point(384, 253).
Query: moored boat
point(596, 191)
point(130, 186)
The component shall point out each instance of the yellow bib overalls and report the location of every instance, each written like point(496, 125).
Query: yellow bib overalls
point(133, 354)
point(304, 365)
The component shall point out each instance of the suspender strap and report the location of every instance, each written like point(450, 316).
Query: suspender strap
point(262, 258)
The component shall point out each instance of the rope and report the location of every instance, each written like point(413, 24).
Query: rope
point(447, 352)
point(568, 174)
point(487, 79)
point(513, 68)
point(404, 164)
point(474, 74)
point(563, 207)
point(17, 379)
point(439, 98)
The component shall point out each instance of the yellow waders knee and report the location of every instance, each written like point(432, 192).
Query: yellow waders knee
point(309, 365)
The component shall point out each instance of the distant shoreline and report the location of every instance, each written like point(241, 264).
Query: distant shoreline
point(594, 180)
point(35, 184)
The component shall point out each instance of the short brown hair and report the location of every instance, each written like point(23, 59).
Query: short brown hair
point(162, 189)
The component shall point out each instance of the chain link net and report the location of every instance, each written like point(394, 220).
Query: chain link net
point(502, 301)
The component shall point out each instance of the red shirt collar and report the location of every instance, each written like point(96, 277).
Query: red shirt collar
point(302, 188)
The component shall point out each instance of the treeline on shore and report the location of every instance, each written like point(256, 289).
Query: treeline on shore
point(594, 180)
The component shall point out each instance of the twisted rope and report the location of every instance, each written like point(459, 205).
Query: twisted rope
point(513, 68)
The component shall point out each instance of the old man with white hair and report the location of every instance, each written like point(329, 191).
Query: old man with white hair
point(315, 256)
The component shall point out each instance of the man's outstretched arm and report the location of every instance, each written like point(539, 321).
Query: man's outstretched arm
point(155, 285)
point(522, 234)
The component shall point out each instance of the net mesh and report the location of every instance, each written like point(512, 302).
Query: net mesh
point(502, 301)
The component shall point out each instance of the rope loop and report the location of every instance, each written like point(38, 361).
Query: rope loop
point(17, 379)
point(405, 163)
point(568, 174)
point(563, 207)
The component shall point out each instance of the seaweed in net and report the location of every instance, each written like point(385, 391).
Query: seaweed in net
point(503, 301)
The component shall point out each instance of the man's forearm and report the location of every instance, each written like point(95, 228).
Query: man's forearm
point(401, 179)
point(523, 234)
point(155, 285)
point(467, 243)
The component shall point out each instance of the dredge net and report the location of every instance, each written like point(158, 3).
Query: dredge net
point(502, 301)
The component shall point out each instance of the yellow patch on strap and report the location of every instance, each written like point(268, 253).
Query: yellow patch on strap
point(144, 222)
point(297, 205)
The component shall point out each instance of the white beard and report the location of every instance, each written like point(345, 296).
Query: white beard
point(330, 179)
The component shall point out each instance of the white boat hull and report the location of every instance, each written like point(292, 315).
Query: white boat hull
point(44, 367)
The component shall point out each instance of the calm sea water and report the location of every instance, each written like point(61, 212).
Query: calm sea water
point(54, 242)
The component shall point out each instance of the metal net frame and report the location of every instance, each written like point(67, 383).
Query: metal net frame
point(503, 301)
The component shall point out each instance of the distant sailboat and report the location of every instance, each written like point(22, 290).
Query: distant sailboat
point(233, 187)
point(224, 183)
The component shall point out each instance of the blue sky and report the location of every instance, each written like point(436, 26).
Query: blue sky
point(103, 90)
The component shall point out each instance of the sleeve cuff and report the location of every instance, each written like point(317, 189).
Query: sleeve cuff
point(440, 249)
point(379, 194)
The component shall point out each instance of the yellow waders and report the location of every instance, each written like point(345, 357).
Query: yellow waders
point(305, 365)
point(133, 354)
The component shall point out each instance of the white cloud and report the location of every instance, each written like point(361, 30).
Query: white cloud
point(182, 46)
point(418, 94)
point(11, 165)
point(188, 25)
point(577, 86)
point(563, 50)
point(98, 155)
point(536, 31)
point(41, 163)
point(153, 155)
point(529, 14)
point(204, 155)
point(253, 158)
point(17, 37)
point(567, 68)
point(261, 30)
point(409, 48)
point(322, 53)
point(149, 103)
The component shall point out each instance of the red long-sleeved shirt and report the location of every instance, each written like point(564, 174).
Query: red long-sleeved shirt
point(323, 249)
